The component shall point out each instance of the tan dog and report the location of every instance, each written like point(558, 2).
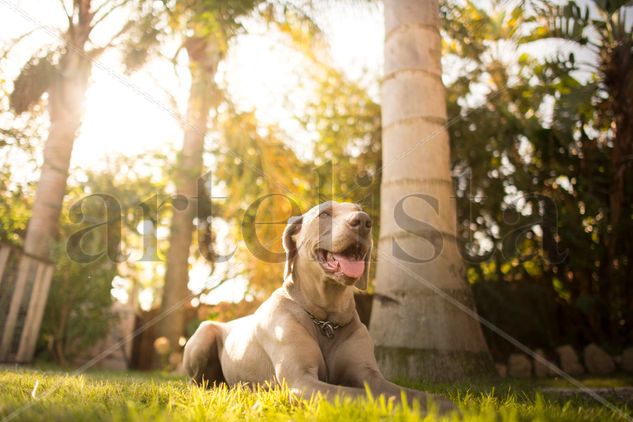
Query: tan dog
point(308, 332)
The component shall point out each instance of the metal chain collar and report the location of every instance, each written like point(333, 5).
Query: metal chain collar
point(327, 328)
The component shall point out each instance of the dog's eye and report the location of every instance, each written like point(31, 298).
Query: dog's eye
point(325, 213)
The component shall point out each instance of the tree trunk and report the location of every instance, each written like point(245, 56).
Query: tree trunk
point(203, 59)
point(65, 108)
point(616, 62)
point(65, 98)
point(418, 333)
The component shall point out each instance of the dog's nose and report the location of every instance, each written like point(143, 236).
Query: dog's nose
point(359, 221)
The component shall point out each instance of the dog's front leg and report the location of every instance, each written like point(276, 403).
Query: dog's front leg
point(300, 371)
point(308, 385)
point(297, 360)
point(355, 364)
point(379, 385)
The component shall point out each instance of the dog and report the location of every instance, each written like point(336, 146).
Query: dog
point(308, 333)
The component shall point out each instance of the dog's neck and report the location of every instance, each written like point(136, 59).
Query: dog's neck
point(325, 299)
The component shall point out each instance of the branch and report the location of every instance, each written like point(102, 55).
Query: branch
point(101, 6)
point(11, 44)
point(173, 101)
point(112, 41)
point(98, 9)
point(66, 12)
point(107, 13)
point(84, 15)
point(174, 59)
point(225, 277)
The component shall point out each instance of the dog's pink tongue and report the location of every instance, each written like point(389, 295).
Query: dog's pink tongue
point(352, 269)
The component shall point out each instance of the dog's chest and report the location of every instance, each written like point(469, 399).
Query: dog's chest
point(329, 348)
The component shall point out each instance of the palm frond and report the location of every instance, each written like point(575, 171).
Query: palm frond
point(567, 21)
point(33, 81)
point(611, 6)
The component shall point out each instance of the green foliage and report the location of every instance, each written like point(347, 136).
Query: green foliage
point(528, 311)
point(347, 152)
point(33, 81)
point(541, 159)
point(207, 16)
point(568, 21)
point(142, 42)
point(136, 397)
point(14, 214)
point(534, 174)
point(264, 184)
point(497, 188)
point(20, 142)
point(532, 155)
point(214, 20)
point(78, 311)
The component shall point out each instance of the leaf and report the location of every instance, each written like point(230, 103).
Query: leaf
point(611, 6)
point(568, 22)
point(141, 44)
point(32, 82)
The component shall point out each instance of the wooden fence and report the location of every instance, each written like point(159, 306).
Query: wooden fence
point(24, 284)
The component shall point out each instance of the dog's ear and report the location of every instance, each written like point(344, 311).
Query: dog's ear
point(362, 282)
point(289, 242)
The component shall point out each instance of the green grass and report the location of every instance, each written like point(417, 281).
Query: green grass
point(138, 396)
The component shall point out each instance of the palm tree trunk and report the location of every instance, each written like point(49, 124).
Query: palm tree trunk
point(619, 202)
point(203, 59)
point(65, 98)
point(418, 333)
point(616, 62)
point(65, 107)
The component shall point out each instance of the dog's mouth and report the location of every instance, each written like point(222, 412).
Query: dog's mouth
point(350, 262)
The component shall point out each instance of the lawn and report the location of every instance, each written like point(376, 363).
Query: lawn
point(141, 396)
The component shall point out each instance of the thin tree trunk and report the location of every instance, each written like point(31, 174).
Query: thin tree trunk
point(203, 59)
point(418, 333)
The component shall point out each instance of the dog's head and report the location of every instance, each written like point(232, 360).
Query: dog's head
point(333, 240)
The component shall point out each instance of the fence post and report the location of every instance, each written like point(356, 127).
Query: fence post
point(14, 309)
point(4, 258)
point(30, 290)
point(33, 320)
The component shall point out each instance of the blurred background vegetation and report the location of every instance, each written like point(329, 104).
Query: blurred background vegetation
point(541, 128)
